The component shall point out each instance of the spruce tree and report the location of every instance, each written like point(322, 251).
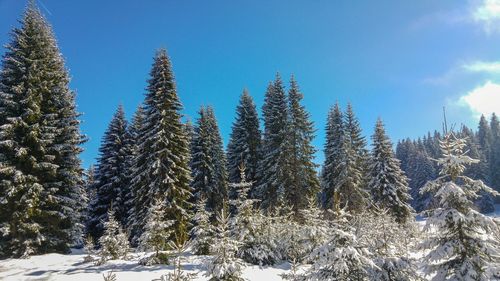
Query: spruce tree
point(334, 141)
point(345, 169)
point(245, 141)
point(208, 162)
point(270, 188)
point(495, 152)
point(134, 131)
point(224, 265)
point(388, 182)
point(111, 175)
point(461, 244)
point(202, 232)
point(113, 242)
point(162, 164)
point(156, 234)
point(484, 141)
point(301, 180)
point(41, 178)
point(357, 143)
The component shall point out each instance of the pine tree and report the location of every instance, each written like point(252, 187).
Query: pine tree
point(459, 247)
point(245, 141)
point(334, 141)
point(484, 141)
point(41, 178)
point(345, 169)
point(111, 174)
point(208, 162)
point(161, 167)
point(484, 202)
point(202, 232)
point(113, 242)
point(301, 180)
point(420, 170)
point(134, 131)
point(245, 222)
point(388, 183)
point(91, 195)
point(224, 264)
point(156, 234)
point(357, 144)
point(314, 228)
point(270, 188)
point(495, 152)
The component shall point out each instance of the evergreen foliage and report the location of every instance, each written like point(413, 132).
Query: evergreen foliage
point(388, 182)
point(161, 168)
point(208, 161)
point(301, 181)
point(272, 174)
point(113, 243)
point(202, 232)
point(111, 178)
point(458, 246)
point(40, 177)
point(224, 264)
point(245, 141)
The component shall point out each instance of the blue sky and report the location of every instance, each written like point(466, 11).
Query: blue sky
point(400, 60)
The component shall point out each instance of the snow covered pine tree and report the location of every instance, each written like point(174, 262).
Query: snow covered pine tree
point(461, 243)
point(41, 176)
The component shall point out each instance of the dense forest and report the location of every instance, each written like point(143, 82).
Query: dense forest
point(161, 184)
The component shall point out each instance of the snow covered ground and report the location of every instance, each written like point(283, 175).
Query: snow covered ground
point(72, 267)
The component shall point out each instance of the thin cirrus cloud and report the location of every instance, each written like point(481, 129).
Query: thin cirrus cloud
point(483, 66)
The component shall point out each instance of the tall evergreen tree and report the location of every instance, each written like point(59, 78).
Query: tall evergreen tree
point(111, 175)
point(245, 141)
point(333, 145)
point(208, 162)
point(345, 169)
point(495, 152)
point(134, 131)
point(162, 163)
point(301, 181)
point(388, 182)
point(271, 189)
point(484, 141)
point(41, 177)
point(356, 140)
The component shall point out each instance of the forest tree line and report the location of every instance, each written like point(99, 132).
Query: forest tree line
point(159, 179)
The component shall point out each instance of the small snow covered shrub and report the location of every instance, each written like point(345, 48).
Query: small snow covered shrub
point(224, 265)
point(109, 277)
point(260, 247)
point(389, 243)
point(114, 243)
point(178, 274)
point(201, 233)
point(156, 234)
point(89, 248)
point(341, 257)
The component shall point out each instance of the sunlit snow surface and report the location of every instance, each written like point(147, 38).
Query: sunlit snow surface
point(71, 267)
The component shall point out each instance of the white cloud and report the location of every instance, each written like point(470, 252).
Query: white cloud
point(484, 99)
point(488, 14)
point(483, 66)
